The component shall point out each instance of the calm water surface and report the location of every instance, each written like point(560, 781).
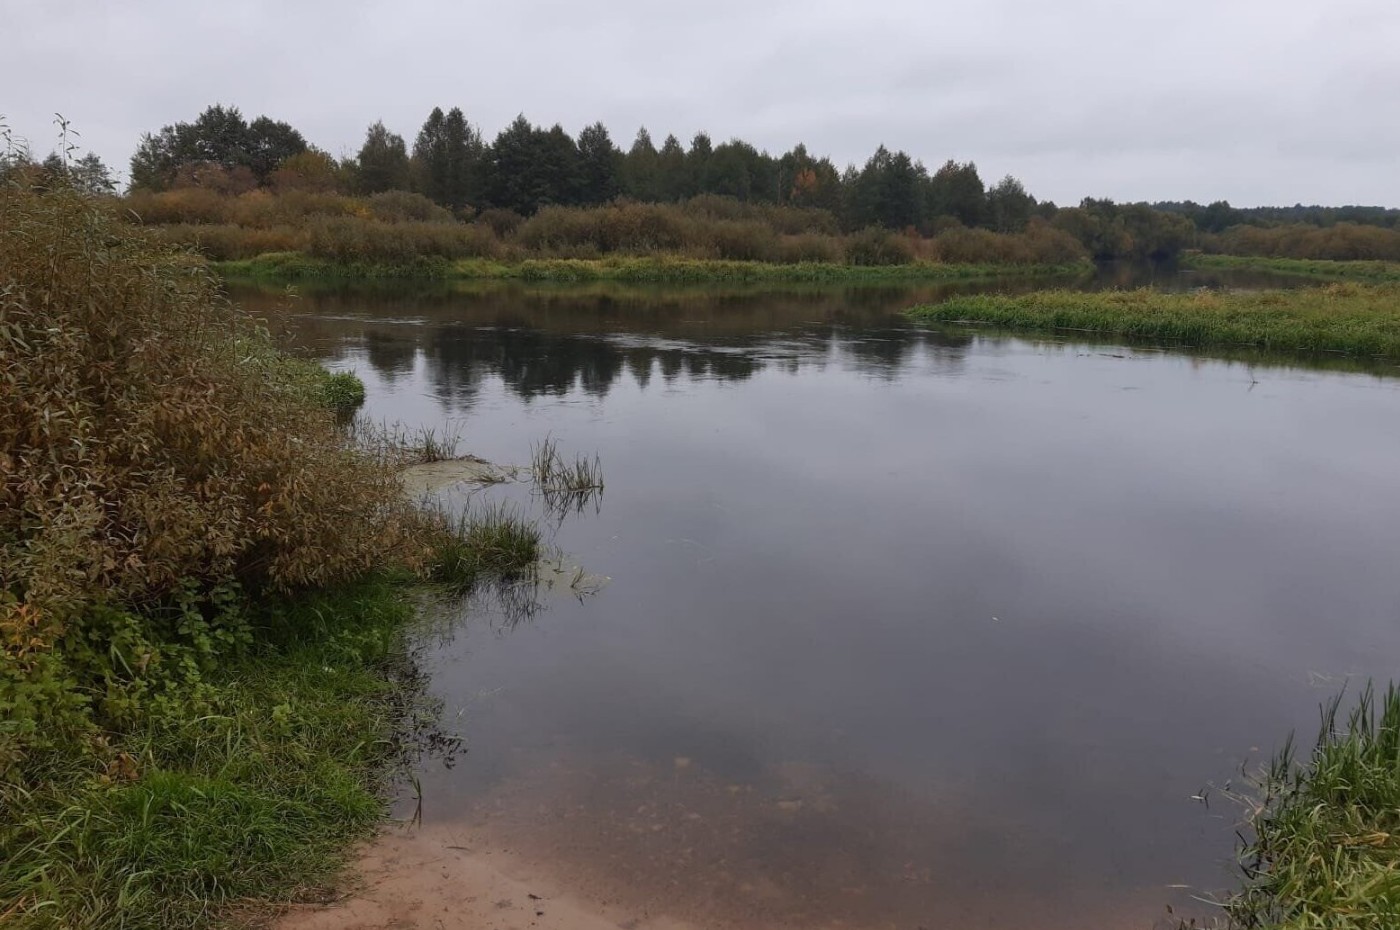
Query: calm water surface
point(906, 628)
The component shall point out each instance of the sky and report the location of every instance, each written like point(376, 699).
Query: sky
point(1253, 101)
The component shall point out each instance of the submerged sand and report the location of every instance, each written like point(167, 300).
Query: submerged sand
point(446, 879)
point(433, 477)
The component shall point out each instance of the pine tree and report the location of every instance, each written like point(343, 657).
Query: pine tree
point(599, 165)
point(383, 161)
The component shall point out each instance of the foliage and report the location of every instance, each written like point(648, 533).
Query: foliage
point(244, 781)
point(342, 391)
point(1346, 318)
point(157, 455)
point(1325, 850)
point(201, 652)
point(382, 164)
point(1312, 268)
point(599, 165)
point(449, 160)
point(1338, 242)
point(528, 168)
point(1110, 230)
point(876, 246)
point(219, 137)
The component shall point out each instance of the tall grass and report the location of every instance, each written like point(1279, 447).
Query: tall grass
point(565, 486)
point(1344, 318)
point(1325, 844)
point(492, 542)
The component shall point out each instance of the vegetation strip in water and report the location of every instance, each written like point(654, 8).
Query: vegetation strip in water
point(204, 589)
point(1374, 271)
point(1347, 318)
point(290, 266)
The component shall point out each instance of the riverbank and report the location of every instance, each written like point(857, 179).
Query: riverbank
point(206, 584)
point(241, 791)
point(290, 266)
point(1369, 271)
point(1352, 319)
point(1324, 849)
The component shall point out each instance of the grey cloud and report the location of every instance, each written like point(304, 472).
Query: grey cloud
point(1254, 101)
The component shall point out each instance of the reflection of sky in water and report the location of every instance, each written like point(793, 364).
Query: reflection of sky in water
point(1003, 606)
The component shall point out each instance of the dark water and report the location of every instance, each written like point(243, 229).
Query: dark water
point(906, 628)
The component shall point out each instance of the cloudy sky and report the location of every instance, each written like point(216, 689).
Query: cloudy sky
point(1254, 101)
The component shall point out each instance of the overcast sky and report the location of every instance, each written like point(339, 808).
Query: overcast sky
point(1254, 101)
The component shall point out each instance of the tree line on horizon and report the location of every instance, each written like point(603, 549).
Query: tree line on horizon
point(528, 167)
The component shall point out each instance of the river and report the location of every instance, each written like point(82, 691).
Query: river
point(904, 627)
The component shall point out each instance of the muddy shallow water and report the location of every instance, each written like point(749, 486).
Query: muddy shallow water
point(904, 628)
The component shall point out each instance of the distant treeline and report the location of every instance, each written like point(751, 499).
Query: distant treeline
point(528, 169)
point(265, 166)
point(1220, 216)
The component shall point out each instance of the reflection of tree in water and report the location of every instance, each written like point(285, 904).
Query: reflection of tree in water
point(533, 363)
point(553, 341)
point(391, 354)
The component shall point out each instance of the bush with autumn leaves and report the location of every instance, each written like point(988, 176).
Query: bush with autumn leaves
point(161, 466)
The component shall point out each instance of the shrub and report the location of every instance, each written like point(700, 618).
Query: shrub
point(264, 210)
point(1342, 242)
point(226, 242)
point(356, 240)
point(743, 240)
point(404, 207)
point(187, 205)
point(809, 247)
point(500, 221)
point(875, 246)
point(561, 229)
point(157, 456)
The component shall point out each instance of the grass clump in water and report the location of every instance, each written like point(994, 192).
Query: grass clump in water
point(490, 543)
point(1325, 851)
point(343, 392)
point(565, 486)
point(1345, 318)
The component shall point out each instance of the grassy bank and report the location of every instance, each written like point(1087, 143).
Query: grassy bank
point(1354, 319)
point(203, 589)
point(243, 789)
point(1325, 843)
point(658, 269)
point(1369, 271)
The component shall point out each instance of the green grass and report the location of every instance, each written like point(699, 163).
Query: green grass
point(250, 787)
point(1373, 271)
point(1362, 320)
point(661, 269)
point(1325, 851)
point(342, 391)
point(494, 542)
point(291, 266)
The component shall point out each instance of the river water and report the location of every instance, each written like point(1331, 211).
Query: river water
point(905, 627)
